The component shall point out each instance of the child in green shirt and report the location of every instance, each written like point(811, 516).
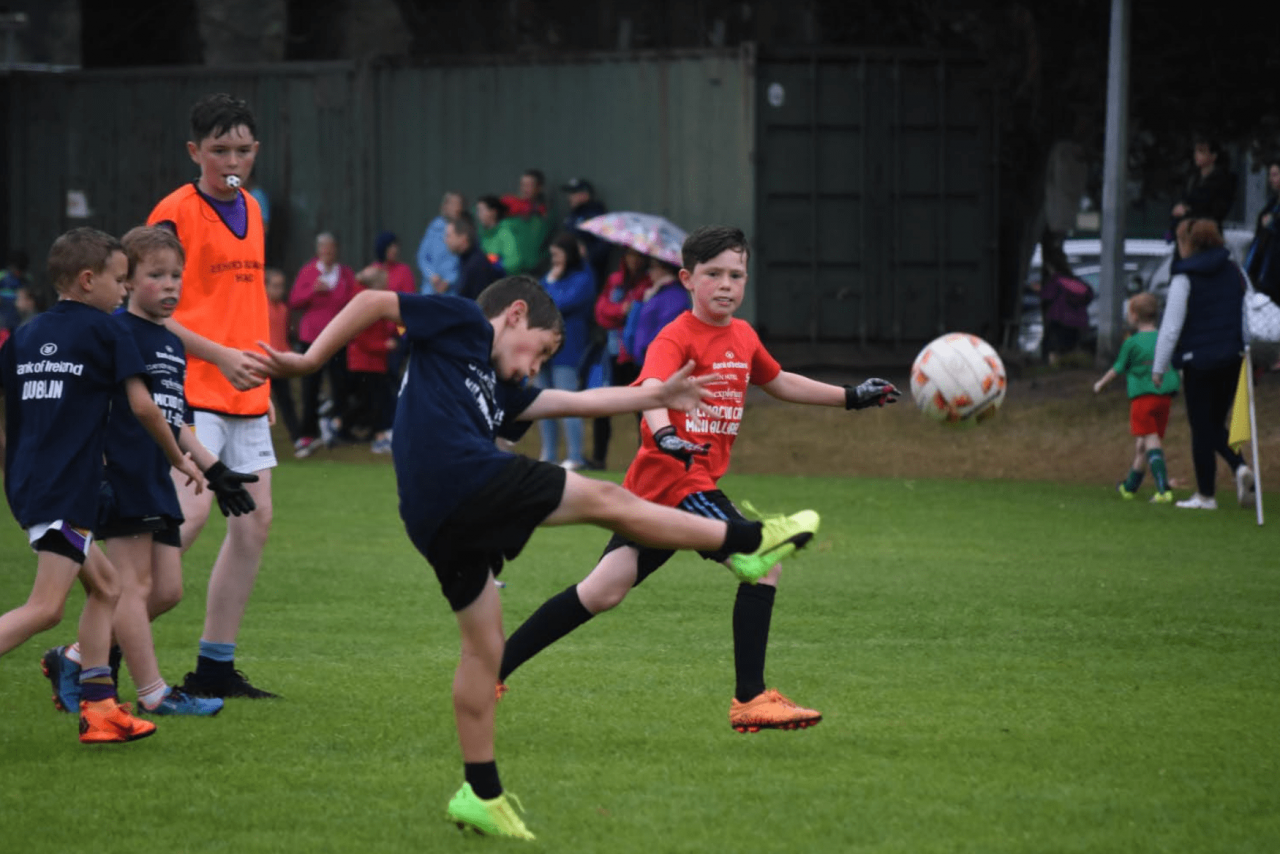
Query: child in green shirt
point(1148, 404)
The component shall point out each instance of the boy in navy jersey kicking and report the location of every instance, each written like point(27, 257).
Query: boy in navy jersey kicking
point(468, 507)
point(139, 517)
point(58, 374)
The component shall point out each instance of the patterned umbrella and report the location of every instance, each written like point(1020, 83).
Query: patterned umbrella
point(647, 234)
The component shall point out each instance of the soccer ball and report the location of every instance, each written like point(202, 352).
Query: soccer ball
point(957, 379)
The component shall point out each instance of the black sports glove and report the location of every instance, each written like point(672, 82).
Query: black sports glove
point(872, 392)
point(673, 446)
point(228, 486)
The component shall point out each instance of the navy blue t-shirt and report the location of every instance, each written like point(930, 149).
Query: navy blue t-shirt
point(451, 407)
point(59, 373)
point(137, 468)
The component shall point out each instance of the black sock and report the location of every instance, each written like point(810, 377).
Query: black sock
point(743, 537)
point(208, 668)
point(483, 777)
point(752, 611)
point(554, 619)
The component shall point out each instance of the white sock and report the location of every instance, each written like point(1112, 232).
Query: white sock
point(73, 652)
point(151, 695)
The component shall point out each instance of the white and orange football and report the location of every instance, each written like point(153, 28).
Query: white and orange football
point(958, 378)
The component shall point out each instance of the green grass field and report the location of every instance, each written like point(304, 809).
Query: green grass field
point(1003, 667)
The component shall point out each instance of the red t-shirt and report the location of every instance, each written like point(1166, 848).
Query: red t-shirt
point(736, 354)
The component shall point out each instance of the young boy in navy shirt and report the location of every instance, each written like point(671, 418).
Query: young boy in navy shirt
point(139, 517)
point(469, 507)
point(59, 374)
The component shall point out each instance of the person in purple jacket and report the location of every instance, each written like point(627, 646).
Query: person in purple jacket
point(1064, 299)
point(664, 301)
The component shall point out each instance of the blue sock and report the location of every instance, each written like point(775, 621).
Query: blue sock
point(217, 651)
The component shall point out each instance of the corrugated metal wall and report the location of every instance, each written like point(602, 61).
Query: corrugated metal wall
point(877, 197)
point(872, 201)
point(357, 149)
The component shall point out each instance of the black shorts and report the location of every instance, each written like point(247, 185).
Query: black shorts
point(491, 527)
point(164, 530)
point(713, 504)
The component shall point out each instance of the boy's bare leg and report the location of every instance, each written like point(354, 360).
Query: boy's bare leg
point(102, 588)
point(1140, 455)
point(43, 608)
point(131, 556)
point(480, 625)
point(610, 506)
point(195, 508)
point(166, 579)
point(236, 569)
point(611, 580)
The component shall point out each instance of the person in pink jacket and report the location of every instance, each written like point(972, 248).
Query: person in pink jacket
point(323, 286)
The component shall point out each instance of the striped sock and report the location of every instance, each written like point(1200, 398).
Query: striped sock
point(151, 695)
point(1133, 481)
point(96, 684)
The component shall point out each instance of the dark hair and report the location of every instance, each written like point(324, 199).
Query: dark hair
point(214, 115)
point(495, 204)
point(708, 241)
point(140, 242)
point(543, 313)
point(464, 225)
point(568, 243)
point(80, 249)
point(536, 174)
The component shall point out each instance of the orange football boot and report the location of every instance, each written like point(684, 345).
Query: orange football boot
point(107, 721)
point(770, 710)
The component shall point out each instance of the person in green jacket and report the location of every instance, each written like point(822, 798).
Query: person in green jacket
point(497, 238)
point(527, 215)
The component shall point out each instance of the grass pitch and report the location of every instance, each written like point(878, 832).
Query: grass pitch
point(1003, 667)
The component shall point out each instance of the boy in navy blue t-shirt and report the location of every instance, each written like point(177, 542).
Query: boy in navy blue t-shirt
point(140, 517)
point(469, 507)
point(58, 374)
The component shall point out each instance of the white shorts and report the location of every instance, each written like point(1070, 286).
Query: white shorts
point(79, 538)
point(242, 444)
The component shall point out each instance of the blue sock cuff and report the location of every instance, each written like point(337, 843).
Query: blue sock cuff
point(217, 651)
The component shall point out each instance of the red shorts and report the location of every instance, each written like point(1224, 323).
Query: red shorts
point(1149, 413)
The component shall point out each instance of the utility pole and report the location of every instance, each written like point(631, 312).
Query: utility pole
point(1115, 179)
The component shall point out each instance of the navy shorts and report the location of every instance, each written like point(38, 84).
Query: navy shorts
point(491, 527)
point(713, 504)
point(165, 530)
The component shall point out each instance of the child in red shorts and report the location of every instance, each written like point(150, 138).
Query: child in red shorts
point(1148, 404)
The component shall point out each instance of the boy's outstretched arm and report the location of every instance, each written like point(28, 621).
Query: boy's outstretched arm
point(679, 391)
point(152, 419)
point(795, 388)
point(1106, 378)
point(237, 366)
point(365, 308)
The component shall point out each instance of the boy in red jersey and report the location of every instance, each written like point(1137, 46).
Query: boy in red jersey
point(682, 457)
point(223, 313)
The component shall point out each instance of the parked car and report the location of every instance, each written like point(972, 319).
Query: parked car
point(1142, 258)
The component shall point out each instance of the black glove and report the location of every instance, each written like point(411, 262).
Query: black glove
point(228, 485)
point(872, 392)
point(673, 446)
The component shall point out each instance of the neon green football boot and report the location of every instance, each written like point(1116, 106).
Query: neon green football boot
point(495, 817)
point(781, 536)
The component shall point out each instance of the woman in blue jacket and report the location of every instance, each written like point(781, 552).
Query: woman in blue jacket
point(573, 288)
